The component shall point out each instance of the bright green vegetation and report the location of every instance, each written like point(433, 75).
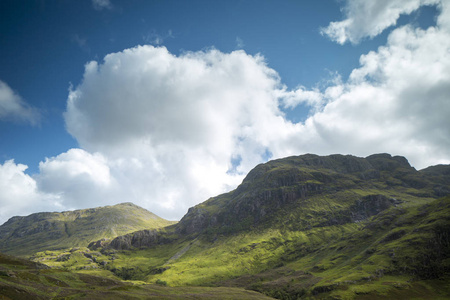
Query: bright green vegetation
point(400, 253)
point(54, 231)
point(22, 279)
point(336, 227)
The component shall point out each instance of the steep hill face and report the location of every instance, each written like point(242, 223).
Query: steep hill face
point(313, 191)
point(333, 227)
point(304, 192)
point(52, 230)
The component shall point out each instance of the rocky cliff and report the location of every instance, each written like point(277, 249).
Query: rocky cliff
point(136, 240)
point(350, 189)
point(304, 192)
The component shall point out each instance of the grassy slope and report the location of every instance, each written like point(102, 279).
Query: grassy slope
point(311, 245)
point(309, 191)
point(51, 231)
point(21, 279)
point(400, 253)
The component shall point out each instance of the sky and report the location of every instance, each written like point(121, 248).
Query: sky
point(167, 103)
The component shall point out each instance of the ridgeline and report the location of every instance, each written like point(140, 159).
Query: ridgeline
point(338, 227)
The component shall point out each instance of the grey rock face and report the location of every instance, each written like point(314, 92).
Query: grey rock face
point(286, 182)
point(138, 239)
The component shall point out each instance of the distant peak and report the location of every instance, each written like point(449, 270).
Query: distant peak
point(385, 161)
point(126, 204)
point(379, 155)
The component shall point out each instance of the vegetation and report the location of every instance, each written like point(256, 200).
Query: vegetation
point(22, 279)
point(55, 231)
point(398, 253)
point(335, 227)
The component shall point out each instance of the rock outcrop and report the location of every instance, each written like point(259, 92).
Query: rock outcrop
point(138, 239)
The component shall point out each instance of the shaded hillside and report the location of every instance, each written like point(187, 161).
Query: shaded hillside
point(310, 191)
point(398, 254)
point(401, 253)
point(52, 230)
point(333, 227)
point(304, 192)
point(309, 226)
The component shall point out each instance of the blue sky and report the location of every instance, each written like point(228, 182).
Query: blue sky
point(301, 96)
point(48, 44)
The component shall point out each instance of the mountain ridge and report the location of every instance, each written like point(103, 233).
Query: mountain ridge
point(309, 226)
point(300, 177)
point(57, 230)
point(354, 188)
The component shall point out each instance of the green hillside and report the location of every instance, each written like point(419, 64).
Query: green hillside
point(309, 191)
point(22, 279)
point(52, 230)
point(402, 253)
point(322, 227)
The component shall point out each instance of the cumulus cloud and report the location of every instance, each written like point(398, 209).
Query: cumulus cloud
point(290, 99)
point(178, 129)
point(370, 18)
point(167, 131)
point(72, 180)
point(77, 177)
point(181, 118)
point(397, 100)
point(19, 194)
point(13, 108)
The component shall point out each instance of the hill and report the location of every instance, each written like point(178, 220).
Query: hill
point(53, 230)
point(307, 226)
point(23, 279)
point(308, 191)
point(327, 227)
point(313, 191)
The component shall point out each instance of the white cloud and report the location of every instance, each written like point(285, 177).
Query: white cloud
point(290, 99)
point(171, 126)
point(370, 18)
point(77, 177)
point(167, 132)
point(101, 4)
point(182, 119)
point(19, 194)
point(397, 101)
point(13, 108)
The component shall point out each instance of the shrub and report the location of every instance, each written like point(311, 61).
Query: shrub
point(161, 282)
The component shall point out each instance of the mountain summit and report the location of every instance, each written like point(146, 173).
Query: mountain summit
point(304, 192)
point(53, 230)
point(310, 191)
point(309, 226)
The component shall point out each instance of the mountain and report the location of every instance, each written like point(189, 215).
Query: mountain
point(310, 191)
point(307, 191)
point(53, 230)
point(339, 227)
point(309, 226)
